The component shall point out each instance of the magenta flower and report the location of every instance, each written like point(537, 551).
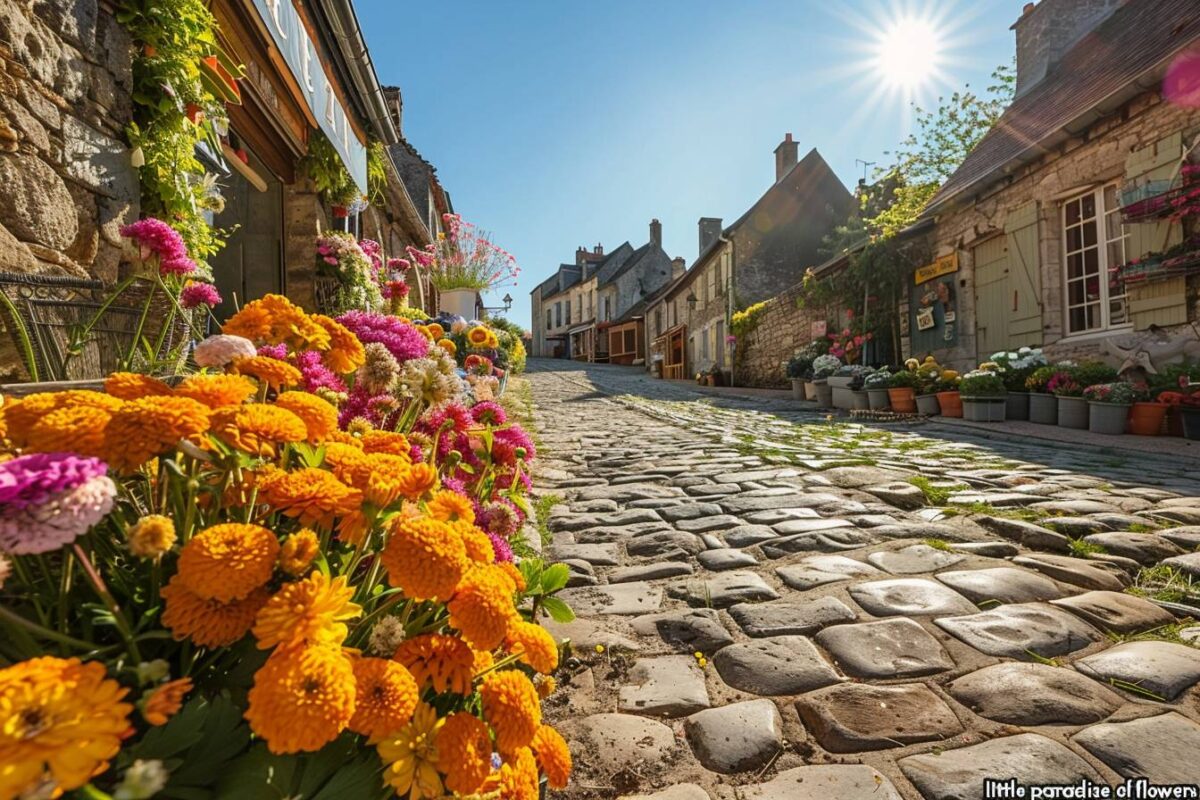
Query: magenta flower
point(33, 479)
point(401, 338)
point(47, 500)
point(156, 238)
point(199, 294)
point(489, 413)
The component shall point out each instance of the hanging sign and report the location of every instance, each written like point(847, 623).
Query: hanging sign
point(941, 266)
point(300, 52)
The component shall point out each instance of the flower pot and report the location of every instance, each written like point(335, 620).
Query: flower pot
point(1072, 413)
point(859, 401)
point(842, 398)
point(878, 399)
point(1191, 422)
point(1174, 422)
point(459, 302)
point(927, 405)
point(1018, 406)
point(983, 409)
point(1043, 408)
point(903, 400)
point(824, 393)
point(841, 382)
point(1146, 419)
point(810, 390)
point(797, 389)
point(1107, 418)
point(950, 403)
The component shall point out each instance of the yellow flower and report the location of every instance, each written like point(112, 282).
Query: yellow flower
point(216, 390)
point(152, 426)
point(478, 336)
point(464, 750)
point(302, 699)
point(274, 373)
point(493, 342)
point(448, 346)
point(518, 777)
point(228, 561)
point(385, 697)
point(320, 418)
point(410, 756)
point(312, 496)
point(307, 612)
point(58, 715)
point(534, 645)
point(482, 607)
point(346, 352)
point(164, 701)
point(512, 708)
point(450, 506)
point(299, 551)
point(134, 385)
point(208, 623)
point(424, 329)
point(20, 415)
point(444, 662)
point(545, 685)
point(151, 536)
point(553, 756)
point(424, 557)
point(437, 330)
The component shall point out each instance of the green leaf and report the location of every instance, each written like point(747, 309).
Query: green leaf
point(558, 610)
point(181, 732)
point(555, 577)
point(225, 736)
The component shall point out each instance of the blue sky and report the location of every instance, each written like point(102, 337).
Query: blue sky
point(557, 124)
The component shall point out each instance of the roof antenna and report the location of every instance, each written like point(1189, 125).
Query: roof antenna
point(865, 164)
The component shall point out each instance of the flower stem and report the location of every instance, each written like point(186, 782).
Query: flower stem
point(110, 602)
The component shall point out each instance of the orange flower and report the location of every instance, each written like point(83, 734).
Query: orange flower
point(484, 661)
point(164, 701)
point(479, 546)
point(216, 390)
point(482, 607)
point(386, 696)
point(299, 551)
point(152, 426)
point(444, 662)
point(151, 536)
point(353, 527)
point(450, 506)
point(320, 418)
point(437, 330)
point(448, 345)
point(418, 481)
point(273, 319)
point(345, 353)
point(274, 373)
point(424, 557)
point(534, 645)
point(134, 386)
point(512, 708)
point(424, 329)
point(518, 777)
point(386, 442)
point(553, 756)
point(545, 685)
point(381, 477)
point(307, 612)
point(75, 429)
point(302, 699)
point(20, 415)
point(478, 336)
point(208, 623)
point(228, 561)
point(513, 572)
point(257, 428)
point(464, 750)
point(346, 460)
point(312, 496)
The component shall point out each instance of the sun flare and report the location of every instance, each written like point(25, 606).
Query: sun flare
point(908, 53)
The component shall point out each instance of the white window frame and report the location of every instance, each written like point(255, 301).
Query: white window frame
point(1112, 309)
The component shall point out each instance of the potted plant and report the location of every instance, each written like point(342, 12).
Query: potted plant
point(876, 386)
point(1189, 412)
point(1068, 385)
point(1147, 417)
point(1043, 405)
point(983, 396)
point(799, 366)
point(464, 262)
point(1108, 407)
point(947, 392)
point(1169, 386)
point(847, 385)
point(859, 399)
point(902, 391)
point(1015, 368)
point(823, 368)
point(928, 372)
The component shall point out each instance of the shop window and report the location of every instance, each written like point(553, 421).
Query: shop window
point(1093, 247)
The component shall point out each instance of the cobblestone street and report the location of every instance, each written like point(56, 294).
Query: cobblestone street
point(772, 604)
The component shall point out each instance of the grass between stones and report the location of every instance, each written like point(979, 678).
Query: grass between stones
point(1165, 583)
point(1081, 548)
point(541, 513)
point(936, 495)
point(1163, 633)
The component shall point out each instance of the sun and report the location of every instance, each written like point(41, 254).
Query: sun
point(908, 53)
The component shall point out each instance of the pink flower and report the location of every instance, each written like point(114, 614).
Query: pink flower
point(50, 499)
point(218, 350)
point(199, 294)
point(156, 238)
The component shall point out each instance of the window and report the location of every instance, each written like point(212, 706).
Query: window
point(549, 320)
point(591, 304)
point(712, 281)
point(704, 344)
point(558, 314)
point(658, 328)
point(568, 311)
point(1093, 246)
point(607, 310)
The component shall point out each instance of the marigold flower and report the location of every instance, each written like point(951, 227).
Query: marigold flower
point(553, 756)
point(533, 644)
point(20, 416)
point(313, 496)
point(518, 777)
point(386, 442)
point(273, 319)
point(464, 750)
point(152, 426)
point(308, 612)
point(299, 551)
point(228, 561)
point(482, 607)
point(483, 661)
point(450, 506)
point(478, 336)
point(216, 390)
point(352, 528)
point(410, 756)
point(345, 353)
point(74, 429)
point(274, 373)
point(545, 685)
point(448, 346)
point(208, 623)
point(385, 697)
point(257, 428)
point(419, 481)
point(134, 386)
point(425, 558)
point(444, 662)
point(151, 536)
point(479, 546)
point(164, 702)
point(514, 572)
point(302, 699)
point(61, 716)
point(320, 418)
point(511, 707)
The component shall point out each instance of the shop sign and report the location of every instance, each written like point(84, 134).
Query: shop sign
point(942, 266)
point(300, 53)
point(817, 329)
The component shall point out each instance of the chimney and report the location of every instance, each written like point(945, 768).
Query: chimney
point(599, 249)
point(395, 106)
point(655, 233)
point(710, 229)
point(786, 156)
point(678, 267)
point(1047, 30)
point(581, 256)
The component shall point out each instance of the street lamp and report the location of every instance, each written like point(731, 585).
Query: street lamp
point(507, 305)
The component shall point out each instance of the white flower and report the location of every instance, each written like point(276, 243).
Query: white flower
point(386, 636)
point(219, 350)
point(1025, 350)
point(143, 780)
point(153, 671)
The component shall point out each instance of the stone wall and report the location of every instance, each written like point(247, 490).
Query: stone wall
point(783, 328)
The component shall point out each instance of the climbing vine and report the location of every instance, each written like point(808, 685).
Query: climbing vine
point(329, 175)
point(747, 319)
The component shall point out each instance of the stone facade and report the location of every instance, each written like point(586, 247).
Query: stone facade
point(783, 327)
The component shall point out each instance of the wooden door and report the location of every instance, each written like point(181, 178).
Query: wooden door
point(991, 287)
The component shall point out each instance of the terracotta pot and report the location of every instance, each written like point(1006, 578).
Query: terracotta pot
point(951, 404)
point(903, 400)
point(1146, 419)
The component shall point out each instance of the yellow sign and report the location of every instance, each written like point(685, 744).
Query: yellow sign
point(941, 266)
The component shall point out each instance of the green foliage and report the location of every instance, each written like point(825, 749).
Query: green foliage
point(512, 344)
point(542, 508)
point(542, 583)
point(981, 383)
point(935, 495)
point(904, 379)
point(1037, 380)
point(377, 171)
point(747, 319)
point(1168, 377)
point(1081, 548)
point(324, 167)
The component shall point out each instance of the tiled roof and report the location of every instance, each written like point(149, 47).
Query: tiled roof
point(1136, 42)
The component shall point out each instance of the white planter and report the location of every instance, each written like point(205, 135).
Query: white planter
point(460, 302)
point(842, 398)
point(842, 382)
point(810, 390)
point(984, 409)
point(797, 389)
point(859, 400)
point(878, 399)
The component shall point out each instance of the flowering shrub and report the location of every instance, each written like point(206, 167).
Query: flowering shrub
point(848, 345)
point(825, 366)
point(1119, 393)
point(880, 379)
point(981, 383)
point(233, 583)
point(1062, 384)
point(340, 256)
point(1038, 379)
point(464, 257)
point(1015, 366)
point(906, 378)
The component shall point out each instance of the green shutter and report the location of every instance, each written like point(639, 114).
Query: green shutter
point(991, 289)
point(1023, 299)
point(1163, 302)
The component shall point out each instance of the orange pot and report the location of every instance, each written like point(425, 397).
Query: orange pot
point(951, 404)
point(904, 400)
point(1146, 419)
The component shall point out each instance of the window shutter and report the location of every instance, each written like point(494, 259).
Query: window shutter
point(1023, 296)
point(1160, 302)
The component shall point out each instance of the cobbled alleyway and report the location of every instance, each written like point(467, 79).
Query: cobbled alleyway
point(774, 605)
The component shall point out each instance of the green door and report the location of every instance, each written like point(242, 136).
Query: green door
point(991, 286)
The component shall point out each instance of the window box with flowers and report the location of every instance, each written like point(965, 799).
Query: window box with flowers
point(983, 396)
point(1108, 407)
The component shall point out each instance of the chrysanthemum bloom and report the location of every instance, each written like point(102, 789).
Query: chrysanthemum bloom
point(220, 349)
point(61, 716)
point(198, 293)
point(553, 756)
point(74, 429)
point(228, 561)
point(482, 606)
point(419, 481)
point(312, 496)
point(533, 644)
point(450, 507)
point(151, 536)
point(517, 778)
point(164, 701)
point(385, 697)
point(425, 558)
point(216, 390)
point(386, 442)
point(345, 353)
point(410, 756)
point(464, 752)
point(299, 551)
point(47, 500)
point(302, 698)
point(307, 612)
point(274, 373)
point(208, 623)
point(152, 426)
point(478, 336)
point(483, 662)
point(489, 414)
point(257, 428)
point(477, 543)
point(511, 707)
point(134, 385)
point(273, 319)
point(514, 572)
point(545, 685)
point(22, 415)
point(320, 418)
point(444, 662)
point(447, 345)
point(156, 239)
